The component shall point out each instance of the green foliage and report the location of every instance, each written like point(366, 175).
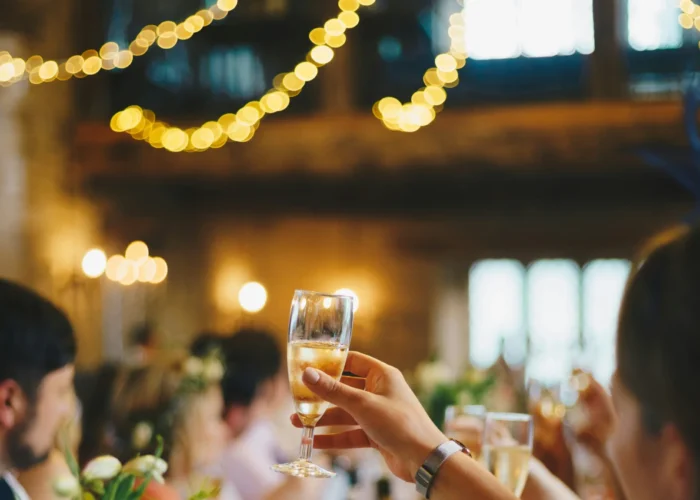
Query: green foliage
point(470, 390)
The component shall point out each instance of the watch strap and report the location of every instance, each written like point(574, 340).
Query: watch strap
point(427, 472)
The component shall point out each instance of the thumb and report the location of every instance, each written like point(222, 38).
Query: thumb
point(331, 390)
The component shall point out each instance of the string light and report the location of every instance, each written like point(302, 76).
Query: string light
point(241, 127)
point(110, 56)
point(136, 265)
point(690, 15)
point(428, 101)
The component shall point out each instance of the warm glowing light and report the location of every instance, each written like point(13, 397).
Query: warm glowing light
point(348, 5)
point(75, 64)
point(252, 297)
point(292, 82)
point(202, 138)
point(334, 27)
point(335, 41)
point(306, 71)
point(685, 20)
point(113, 267)
point(48, 70)
point(349, 293)
point(227, 5)
point(445, 63)
point(161, 270)
point(94, 263)
point(349, 19)
point(318, 36)
point(137, 251)
point(128, 273)
point(322, 54)
point(147, 271)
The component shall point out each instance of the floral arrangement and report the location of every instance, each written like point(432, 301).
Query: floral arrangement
point(105, 477)
point(438, 387)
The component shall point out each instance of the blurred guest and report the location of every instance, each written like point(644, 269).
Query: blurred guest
point(255, 388)
point(183, 405)
point(38, 481)
point(95, 392)
point(37, 350)
point(143, 345)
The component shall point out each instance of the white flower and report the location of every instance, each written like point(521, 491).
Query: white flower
point(66, 486)
point(194, 367)
point(142, 435)
point(213, 370)
point(103, 468)
point(147, 464)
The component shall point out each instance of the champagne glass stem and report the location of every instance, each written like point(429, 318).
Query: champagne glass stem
point(307, 444)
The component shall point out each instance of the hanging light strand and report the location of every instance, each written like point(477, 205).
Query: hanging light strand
point(429, 100)
point(689, 18)
point(110, 56)
point(241, 127)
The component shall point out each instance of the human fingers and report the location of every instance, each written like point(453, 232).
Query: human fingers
point(333, 416)
point(361, 365)
point(356, 382)
point(331, 390)
point(355, 438)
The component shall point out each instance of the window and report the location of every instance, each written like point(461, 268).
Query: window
point(504, 29)
point(551, 316)
point(233, 71)
point(653, 24)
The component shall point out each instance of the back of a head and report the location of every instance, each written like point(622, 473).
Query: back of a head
point(142, 395)
point(206, 343)
point(252, 358)
point(36, 338)
point(659, 335)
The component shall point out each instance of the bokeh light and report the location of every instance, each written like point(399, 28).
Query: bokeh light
point(94, 263)
point(252, 297)
point(349, 293)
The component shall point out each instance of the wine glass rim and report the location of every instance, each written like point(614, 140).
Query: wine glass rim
point(320, 294)
point(509, 417)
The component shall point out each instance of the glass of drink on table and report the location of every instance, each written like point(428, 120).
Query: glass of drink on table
point(320, 328)
point(465, 423)
point(507, 447)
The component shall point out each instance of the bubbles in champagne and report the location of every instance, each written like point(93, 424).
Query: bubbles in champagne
point(327, 357)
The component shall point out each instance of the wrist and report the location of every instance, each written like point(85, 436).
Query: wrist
point(422, 448)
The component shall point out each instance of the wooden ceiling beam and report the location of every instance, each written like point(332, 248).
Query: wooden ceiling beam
point(586, 136)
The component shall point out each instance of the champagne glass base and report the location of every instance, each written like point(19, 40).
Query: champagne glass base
point(303, 468)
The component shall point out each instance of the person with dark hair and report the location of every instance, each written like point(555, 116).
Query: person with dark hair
point(206, 343)
point(254, 387)
point(144, 345)
point(653, 434)
point(37, 352)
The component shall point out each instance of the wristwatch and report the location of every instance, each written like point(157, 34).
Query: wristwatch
point(426, 474)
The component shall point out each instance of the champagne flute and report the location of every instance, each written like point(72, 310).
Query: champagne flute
point(507, 448)
point(320, 327)
point(465, 423)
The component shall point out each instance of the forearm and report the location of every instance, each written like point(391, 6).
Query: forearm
point(461, 477)
point(543, 485)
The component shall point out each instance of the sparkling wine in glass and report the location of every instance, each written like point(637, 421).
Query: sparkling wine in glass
point(507, 448)
point(465, 423)
point(320, 327)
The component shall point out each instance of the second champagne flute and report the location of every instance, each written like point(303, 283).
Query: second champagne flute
point(320, 328)
point(508, 447)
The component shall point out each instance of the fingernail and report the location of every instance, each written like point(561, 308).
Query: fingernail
point(311, 376)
